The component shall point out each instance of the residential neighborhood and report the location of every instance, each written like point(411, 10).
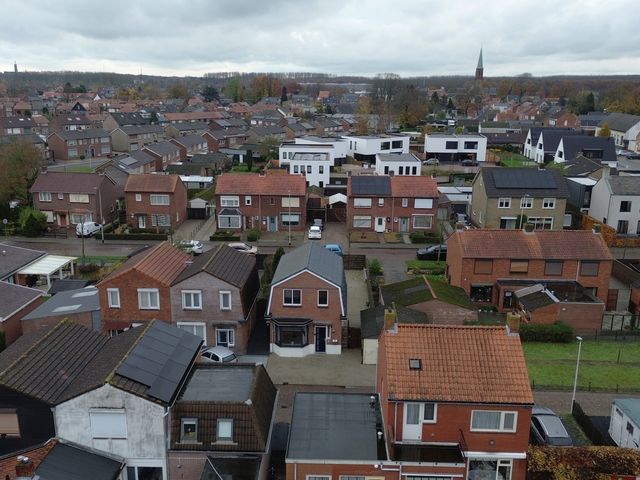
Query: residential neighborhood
point(295, 275)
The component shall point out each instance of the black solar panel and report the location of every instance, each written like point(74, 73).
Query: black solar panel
point(525, 178)
point(370, 185)
point(161, 359)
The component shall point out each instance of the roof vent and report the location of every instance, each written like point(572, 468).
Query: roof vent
point(415, 364)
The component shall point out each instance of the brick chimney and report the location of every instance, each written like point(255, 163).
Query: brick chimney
point(389, 317)
point(25, 468)
point(513, 323)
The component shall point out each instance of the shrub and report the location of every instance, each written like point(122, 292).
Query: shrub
point(133, 236)
point(32, 227)
point(422, 237)
point(253, 235)
point(219, 237)
point(558, 332)
point(375, 267)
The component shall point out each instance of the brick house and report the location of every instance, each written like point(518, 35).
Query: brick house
point(190, 144)
point(307, 305)
point(490, 265)
point(165, 153)
point(69, 198)
point(78, 144)
point(269, 201)
point(17, 302)
point(228, 138)
point(502, 195)
point(223, 430)
point(16, 125)
point(140, 290)
point(384, 203)
point(133, 137)
point(444, 407)
point(155, 201)
point(69, 123)
point(214, 297)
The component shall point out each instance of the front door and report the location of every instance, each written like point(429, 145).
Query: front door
point(62, 219)
point(321, 339)
point(404, 224)
point(412, 426)
point(142, 221)
point(380, 224)
point(272, 224)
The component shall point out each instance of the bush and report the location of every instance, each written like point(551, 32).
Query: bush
point(32, 227)
point(375, 267)
point(542, 332)
point(253, 235)
point(422, 237)
point(216, 237)
point(133, 236)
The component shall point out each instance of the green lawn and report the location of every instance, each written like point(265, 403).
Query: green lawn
point(449, 294)
point(79, 169)
point(425, 264)
point(554, 364)
point(102, 259)
point(511, 159)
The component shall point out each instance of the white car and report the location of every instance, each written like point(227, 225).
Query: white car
point(87, 229)
point(194, 247)
point(315, 232)
point(244, 247)
point(218, 355)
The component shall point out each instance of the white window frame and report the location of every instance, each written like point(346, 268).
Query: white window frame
point(229, 201)
point(323, 304)
point(191, 328)
point(504, 202)
point(284, 290)
point(138, 197)
point(423, 203)
point(548, 203)
point(228, 439)
point(44, 196)
point(186, 421)
point(293, 202)
point(60, 196)
point(363, 221)
point(193, 294)
point(231, 337)
point(150, 292)
point(526, 202)
point(78, 198)
point(415, 217)
point(222, 295)
point(247, 200)
point(381, 202)
point(114, 301)
point(435, 413)
point(159, 199)
point(405, 202)
point(111, 428)
point(318, 477)
point(360, 202)
point(156, 217)
point(501, 428)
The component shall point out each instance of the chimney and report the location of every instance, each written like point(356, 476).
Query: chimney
point(606, 171)
point(513, 323)
point(389, 317)
point(596, 229)
point(24, 468)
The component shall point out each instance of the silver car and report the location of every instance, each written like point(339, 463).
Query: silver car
point(218, 355)
point(548, 429)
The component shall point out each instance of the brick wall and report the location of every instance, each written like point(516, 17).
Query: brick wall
point(390, 210)
point(32, 325)
point(13, 327)
point(177, 208)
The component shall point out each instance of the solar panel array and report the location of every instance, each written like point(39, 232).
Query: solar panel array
point(161, 359)
point(370, 185)
point(520, 178)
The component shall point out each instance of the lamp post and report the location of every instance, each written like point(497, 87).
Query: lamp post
point(525, 196)
point(82, 236)
point(289, 192)
point(575, 380)
point(101, 217)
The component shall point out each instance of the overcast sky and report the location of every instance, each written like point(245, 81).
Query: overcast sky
point(408, 37)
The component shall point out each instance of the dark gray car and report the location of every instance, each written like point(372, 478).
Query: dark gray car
point(548, 429)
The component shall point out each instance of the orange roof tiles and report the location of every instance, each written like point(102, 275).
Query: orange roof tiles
point(36, 454)
point(541, 244)
point(152, 183)
point(255, 184)
point(459, 364)
point(411, 186)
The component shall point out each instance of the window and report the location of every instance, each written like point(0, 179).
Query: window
point(422, 221)
point(405, 202)
point(225, 300)
point(361, 203)
point(188, 430)
point(292, 219)
point(400, 170)
point(519, 266)
point(318, 477)
point(293, 202)
point(526, 202)
point(541, 223)
point(161, 220)
point(625, 206)
point(247, 200)
point(385, 145)
point(629, 428)
point(44, 196)
point(148, 299)
point(225, 430)
point(308, 168)
point(113, 296)
point(470, 145)
point(199, 329)
point(323, 298)
point(451, 146)
point(623, 227)
point(138, 197)
point(78, 198)
point(229, 201)
point(228, 221)
point(504, 202)
point(9, 425)
point(225, 337)
point(108, 423)
point(291, 336)
point(423, 203)
point(72, 143)
point(61, 196)
point(553, 267)
point(192, 300)
point(296, 169)
point(320, 169)
point(429, 414)
point(549, 203)
point(72, 152)
point(493, 421)
point(352, 477)
point(105, 150)
point(589, 269)
point(291, 297)
point(381, 202)
point(144, 473)
point(361, 221)
point(490, 469)
point(483, 267)
point(104, 140)
point(159, 199)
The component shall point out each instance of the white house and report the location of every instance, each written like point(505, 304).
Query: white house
point(615, 201)
point(288, 150)
point(315, 167)
point(339, 145)
point(398, 164)
point(456, 147)
point(366, 147)
point(625, 129)
point(624, 426)
point(599, 149)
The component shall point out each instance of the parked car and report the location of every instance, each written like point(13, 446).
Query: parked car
point(468, 163)
point(87, 229)
point(218, 355)
point(315, 233)
point(318, 223)
point(194, 247)
point(548, 429)
point(434, 252)
point(244, 247)
point(431, 161)
point(334, 247)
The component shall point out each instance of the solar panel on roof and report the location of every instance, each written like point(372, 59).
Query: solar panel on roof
point(506, 178)
point(368, 185)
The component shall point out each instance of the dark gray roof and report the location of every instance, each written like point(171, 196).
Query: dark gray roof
point(398, 157)
point(372, 319)
point(592, 119)
point(189, 126)
point(312, 257)
point(14, 297)
point(535, 300)
point(190, 140)
point(267, 131)
point(576, 145)
point(551, 138)
point(82, 134)
point(69, 302)
point(186, 168)
point(581, 166)
point(162, 148)
point(371, 185)
point(620, 122)
point(138, 129)
point(226, 383)
point(336, 426)
point(504, 182)
point(625, 185)
point(32, 138)
point(64, 284)
point(16, 122)
point(224, 263)
point(13, 258)
point(66, 462)
point(211, 158)
point(130, 119)
point(536, 131)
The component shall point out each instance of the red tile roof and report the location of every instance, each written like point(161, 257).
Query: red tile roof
point(540, 244)
point(255, 184)
point(411, 186)
point(35, 454)
point(152, 183)
point(458, 364)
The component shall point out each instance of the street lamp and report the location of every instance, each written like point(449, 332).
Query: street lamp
point(575, 380)
point(101, 217)
point(522, 201)
point(289, 192)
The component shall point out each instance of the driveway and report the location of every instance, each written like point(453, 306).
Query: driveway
point(357, 296)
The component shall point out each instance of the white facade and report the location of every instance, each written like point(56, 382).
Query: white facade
point(373, 145)
point(612, 210)
point(623, 429)
point(314, 162)
point(339, 144)
point(288, 150)
point(398, 164)
point(560, 156)
point(137, 432)
point(629, 140)
point(529, 150)
point(439, 144)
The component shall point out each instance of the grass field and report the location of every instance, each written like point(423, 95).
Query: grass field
point(511, 159)
point(604, 365)
point(425, 264)
point(102, 259)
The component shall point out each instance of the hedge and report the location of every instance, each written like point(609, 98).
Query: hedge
point(253, 235)
point(133, 236)
point(224, 238)
point(543, 332)
point(420, 237)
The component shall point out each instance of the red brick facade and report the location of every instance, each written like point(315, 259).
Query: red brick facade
point(141, 213)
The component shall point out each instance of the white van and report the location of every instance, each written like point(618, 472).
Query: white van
point(87, 229)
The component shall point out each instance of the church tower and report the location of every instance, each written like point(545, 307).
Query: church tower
point(479, 68)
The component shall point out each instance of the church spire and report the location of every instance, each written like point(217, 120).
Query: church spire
point(480, 67)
